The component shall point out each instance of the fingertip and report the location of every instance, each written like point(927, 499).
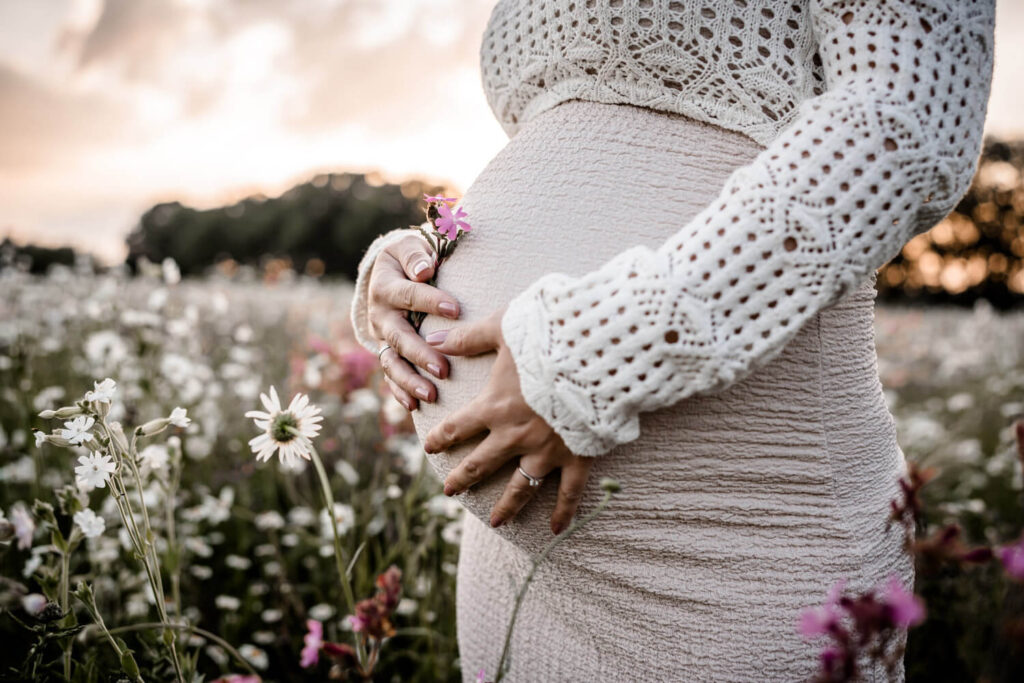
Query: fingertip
point(449, 309)
point(422, 270)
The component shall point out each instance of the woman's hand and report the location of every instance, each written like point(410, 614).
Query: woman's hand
point(396, 286)
point(514, 429)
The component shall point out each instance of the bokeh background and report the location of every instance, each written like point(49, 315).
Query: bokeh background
point(186, 187)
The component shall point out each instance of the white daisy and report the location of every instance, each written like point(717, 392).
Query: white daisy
point(291, 431)
point(90, 524)
point(102, 391)
point(77, 431)
point(94, 471)
point(178, 418)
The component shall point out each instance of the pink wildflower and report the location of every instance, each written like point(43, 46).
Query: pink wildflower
point(817, 621)
point(437, 198)
point(448, 223)
point(1012, 557)
point(907, 608)
point(481, 676)
point(314, 640)
point(356, 623)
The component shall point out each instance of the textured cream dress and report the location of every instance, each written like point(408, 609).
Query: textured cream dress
point(685, 225)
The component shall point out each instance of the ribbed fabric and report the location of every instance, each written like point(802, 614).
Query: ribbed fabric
point(738, 509)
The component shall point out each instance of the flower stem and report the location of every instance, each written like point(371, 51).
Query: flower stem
point(504, 662)
point(190, 629)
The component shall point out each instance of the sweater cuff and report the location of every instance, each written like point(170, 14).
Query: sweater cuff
point(565, 406)
point(360, 322)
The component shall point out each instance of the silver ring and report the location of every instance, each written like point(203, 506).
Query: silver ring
point(534, 481)
point(382, 350)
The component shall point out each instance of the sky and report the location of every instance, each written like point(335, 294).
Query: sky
point(109, 106)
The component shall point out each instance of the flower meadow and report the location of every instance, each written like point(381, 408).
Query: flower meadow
point(205, 479)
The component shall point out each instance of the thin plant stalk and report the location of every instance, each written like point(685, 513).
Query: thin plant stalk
point(190, 629)
point(504, 662)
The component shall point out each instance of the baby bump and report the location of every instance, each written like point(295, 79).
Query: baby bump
point(577, 184)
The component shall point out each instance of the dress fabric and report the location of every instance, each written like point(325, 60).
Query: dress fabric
point(685, 226)
point(738, 508)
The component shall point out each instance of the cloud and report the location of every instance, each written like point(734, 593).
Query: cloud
point(43, 125)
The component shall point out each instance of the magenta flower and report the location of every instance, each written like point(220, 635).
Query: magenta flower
point(438, 198)
point(818, 621)
point(356, 623)
point(481, 676)
point(314, 640)
point(907, 608)
point(1012, 557)
point(448, 223)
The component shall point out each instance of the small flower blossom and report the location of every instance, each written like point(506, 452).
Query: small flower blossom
point(255, 656)
point(40, 438)
point(90, 523)
point(288, 431)
point(77, 431)
point(313, 641)
point(907, 608)
point(102, 392)
point(154, 458)
point(227, 603)
point(816, 621)
point(94, 471)
point(449, 223)
point(437, 198)
point(1012, 557)
point(24, 525)
point(179, 419)
point(33, 603)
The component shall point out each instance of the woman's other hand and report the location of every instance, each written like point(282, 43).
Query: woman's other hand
point(514, 430)
point(396, 286)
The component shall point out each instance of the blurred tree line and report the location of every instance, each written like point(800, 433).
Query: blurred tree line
point(322, 226)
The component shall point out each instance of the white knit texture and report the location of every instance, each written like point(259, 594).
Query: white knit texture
point(848, 176)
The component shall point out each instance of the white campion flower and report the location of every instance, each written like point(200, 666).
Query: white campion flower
point(178, 418)
point(77, 431)
point(102, 392)
point(90, 523)
point(289, 431)
point(255, 656)
point(344, 516)
point(154, 458)
point(228, 603)
point(24, 525)
point(94, 471)
point(40, 437)
point(271, 519)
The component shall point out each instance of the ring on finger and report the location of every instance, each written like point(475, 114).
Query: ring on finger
point(534, 481)
point(382, 350)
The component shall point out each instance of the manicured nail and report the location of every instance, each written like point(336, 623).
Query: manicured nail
point(496, 522)
point(435, 369)
point(437, 337)
point(558, 528)
point(422, 393)
point(449, 490)
point(448, 309)
point(420, 267)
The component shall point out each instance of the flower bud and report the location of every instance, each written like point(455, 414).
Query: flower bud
point(48, 414)
point(61, 441)
point(154, 426)
point(610, 485)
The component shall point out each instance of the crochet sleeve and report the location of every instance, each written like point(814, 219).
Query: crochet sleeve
point(885, 152)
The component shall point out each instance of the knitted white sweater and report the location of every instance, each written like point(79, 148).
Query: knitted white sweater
point(871, 112)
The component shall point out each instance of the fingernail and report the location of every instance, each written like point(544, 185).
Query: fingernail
point(559, 528)
point(420, 267)
point(496, 522)
point(422, 393)
point(449, 490)
point(437, 337)
point(435, 369)
point(448, 309)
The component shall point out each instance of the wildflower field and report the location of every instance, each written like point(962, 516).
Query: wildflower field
point(142, 538)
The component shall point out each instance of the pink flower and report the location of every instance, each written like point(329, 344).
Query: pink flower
point(817, 621)
point(1012, 557)
point(481, 676)
point(448, 224)
point(356, 623)
point(238, 678)
point(437, 198)
point(907, 608)
point(314, 640)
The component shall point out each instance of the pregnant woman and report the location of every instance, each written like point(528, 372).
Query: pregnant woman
point(669, 281)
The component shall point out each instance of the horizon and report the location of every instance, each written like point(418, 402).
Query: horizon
point(110, 107)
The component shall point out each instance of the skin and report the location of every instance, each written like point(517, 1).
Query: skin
point(397, 284)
